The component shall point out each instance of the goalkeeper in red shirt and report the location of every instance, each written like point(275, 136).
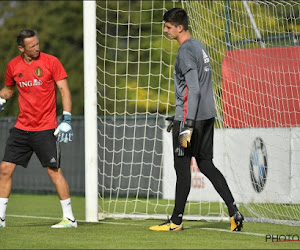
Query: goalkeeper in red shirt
point(36, 76)
point(193, 127)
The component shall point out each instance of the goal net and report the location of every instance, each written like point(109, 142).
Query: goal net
point(254, 51)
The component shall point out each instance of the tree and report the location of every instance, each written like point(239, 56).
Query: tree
point(60, 29)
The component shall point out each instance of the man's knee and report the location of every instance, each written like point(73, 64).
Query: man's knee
point(7, 169)
point(55, 173)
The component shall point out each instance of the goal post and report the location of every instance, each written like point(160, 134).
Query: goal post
point(90, 111)
point(254, 51)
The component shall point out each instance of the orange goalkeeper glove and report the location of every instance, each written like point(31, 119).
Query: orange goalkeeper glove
point(185, 134)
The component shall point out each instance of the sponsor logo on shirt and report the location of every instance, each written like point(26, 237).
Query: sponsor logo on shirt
point(205, 57)
point(52, 160)
point(35, 82)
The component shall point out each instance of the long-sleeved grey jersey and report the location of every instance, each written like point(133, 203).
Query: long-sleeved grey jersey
point(192, 81)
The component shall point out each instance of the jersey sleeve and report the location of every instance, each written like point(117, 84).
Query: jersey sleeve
point(194, 94)
point(9, 81)
point(58, 70)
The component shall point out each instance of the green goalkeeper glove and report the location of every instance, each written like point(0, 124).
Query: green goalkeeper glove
point(64, 131)
point(185, 134)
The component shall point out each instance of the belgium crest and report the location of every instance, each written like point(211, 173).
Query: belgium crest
point(38, 72)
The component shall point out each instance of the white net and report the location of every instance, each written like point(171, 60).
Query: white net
point(254, 51)
point(135, 93)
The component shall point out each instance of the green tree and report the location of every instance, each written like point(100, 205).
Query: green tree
point(60, 29)
point(128, 71)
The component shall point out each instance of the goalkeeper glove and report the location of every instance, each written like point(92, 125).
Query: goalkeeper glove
point(64, 131)
point(171, 120)
point(185, 134)
point(2, 103)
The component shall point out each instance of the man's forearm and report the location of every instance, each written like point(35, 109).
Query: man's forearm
point(67, 103)
point(7, 92)
point(65, 95)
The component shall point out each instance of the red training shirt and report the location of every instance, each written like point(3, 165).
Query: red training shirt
point(36, 83)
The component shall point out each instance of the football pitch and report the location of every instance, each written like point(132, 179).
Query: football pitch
point(29, 218)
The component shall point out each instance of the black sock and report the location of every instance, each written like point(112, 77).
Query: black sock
point(176, 219)
point(232, 209)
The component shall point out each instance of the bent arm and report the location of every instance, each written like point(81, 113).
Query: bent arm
point(65, 94)
point(7, 92)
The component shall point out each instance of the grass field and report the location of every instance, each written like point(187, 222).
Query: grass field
point(29, 218)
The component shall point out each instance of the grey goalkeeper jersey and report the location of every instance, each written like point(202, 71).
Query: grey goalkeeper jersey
point(192, 81)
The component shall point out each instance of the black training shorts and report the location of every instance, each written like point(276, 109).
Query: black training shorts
point(21, 144)
point(202, 139)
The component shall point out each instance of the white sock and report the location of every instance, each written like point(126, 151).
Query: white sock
point(3, 205)
point(67, 209)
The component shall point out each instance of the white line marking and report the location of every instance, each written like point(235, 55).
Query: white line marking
point(53, 218)
point(130, 224)
point(228, 231)
point(32, 217)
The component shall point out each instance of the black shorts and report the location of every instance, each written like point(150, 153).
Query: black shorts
point(202, 139)
point(21, 144)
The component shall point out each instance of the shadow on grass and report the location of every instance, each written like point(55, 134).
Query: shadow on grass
point(213, 225)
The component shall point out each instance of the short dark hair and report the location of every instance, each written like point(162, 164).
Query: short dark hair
point(25, 34)
point(177, 16)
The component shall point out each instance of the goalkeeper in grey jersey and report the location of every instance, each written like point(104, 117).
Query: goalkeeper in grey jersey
point(193, 126)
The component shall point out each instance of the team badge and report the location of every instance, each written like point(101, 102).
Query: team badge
point(38, 71)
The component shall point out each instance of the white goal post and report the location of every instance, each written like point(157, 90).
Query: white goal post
point(90, 111)
point(128, 66)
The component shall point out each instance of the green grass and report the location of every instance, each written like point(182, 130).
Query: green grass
point(34, 232)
